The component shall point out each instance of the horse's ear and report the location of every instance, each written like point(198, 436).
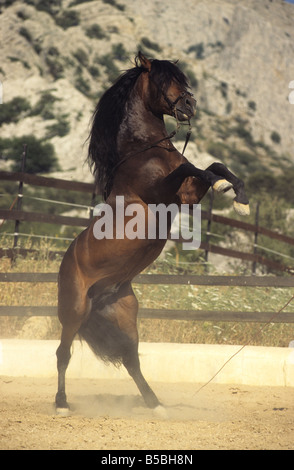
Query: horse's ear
point(146, 63)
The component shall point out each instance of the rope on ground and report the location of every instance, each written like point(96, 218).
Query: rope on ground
point(242, 347)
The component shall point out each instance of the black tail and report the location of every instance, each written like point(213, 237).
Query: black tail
point(105, 338)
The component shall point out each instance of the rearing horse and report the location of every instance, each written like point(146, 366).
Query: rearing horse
point(131, 155)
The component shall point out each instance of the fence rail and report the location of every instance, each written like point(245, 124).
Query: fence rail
point(19, 216)
point(45, 182)
point(169, 314)
point(179, 279)
point(44, 218)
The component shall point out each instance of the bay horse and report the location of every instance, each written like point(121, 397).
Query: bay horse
point(131, 154)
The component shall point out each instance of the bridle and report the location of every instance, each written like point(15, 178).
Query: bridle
point(174, 110)
point(172, 104)
point(174, 113)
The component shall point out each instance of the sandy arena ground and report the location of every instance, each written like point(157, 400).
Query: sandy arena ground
point(110, 415)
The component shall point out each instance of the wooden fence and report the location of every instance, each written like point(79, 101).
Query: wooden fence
point(19, 216)
point(170, 314)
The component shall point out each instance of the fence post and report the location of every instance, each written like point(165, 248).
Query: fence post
point(255, 237)
point(20, 195)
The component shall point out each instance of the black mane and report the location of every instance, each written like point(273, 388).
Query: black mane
point(109, 112)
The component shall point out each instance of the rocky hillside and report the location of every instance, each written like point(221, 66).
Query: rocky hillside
point(57, 57)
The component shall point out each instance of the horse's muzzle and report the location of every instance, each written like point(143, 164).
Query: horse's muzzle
point(186, 108)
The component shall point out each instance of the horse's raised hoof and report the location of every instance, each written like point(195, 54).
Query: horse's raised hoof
point(221, 186)
point(160, 412)
point(241, 209)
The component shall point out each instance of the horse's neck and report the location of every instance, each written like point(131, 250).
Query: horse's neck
point(139, 127)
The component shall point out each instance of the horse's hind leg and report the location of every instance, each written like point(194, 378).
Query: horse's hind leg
point(126, 309)
point(132, 364)
point(73, 306)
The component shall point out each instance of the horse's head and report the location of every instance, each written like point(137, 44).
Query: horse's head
point(158, 86)
point(166, 89)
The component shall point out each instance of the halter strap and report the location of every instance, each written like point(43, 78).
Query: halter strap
point(172, 104)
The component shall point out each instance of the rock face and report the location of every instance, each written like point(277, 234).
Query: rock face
point(239, 57)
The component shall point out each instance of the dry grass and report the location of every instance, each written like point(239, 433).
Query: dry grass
point(159, 296)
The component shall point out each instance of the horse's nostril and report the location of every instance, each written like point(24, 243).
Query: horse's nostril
point(189, 103)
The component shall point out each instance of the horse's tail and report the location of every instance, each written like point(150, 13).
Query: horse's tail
point(104, 337)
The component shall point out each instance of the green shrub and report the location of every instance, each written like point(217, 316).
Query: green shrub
point(14, 110)
point(243, 133)
point(41, 156)
point(252, 105)
point(77, 2)
point(26, 34)
point(37, 47)
point(275, 136)
point(119, 52)
point(150, 44)
point(260, 182)
point(67, 19)
point(17, 59)
point(49, 6)
point(55, 67)
point(114, 4)
point(95, 32)
point(44, 107)
point(218, 150)
point(7, 3)
point(82, 85)
point(53, 51)
point(243, 157)
point(60, 129)
point(94, 71)
point(228, 107)
point(190, 74)
point(81, 57)
point(111, 69)
point(223, 87)
point(198, 49)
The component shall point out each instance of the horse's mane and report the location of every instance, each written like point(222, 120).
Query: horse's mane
point(108, 115)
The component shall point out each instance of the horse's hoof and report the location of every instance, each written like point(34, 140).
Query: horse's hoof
point(161, 412)
point(221, 186)
point(62, 411)
point(241, 209)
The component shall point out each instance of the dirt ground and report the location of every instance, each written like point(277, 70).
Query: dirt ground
point(110, 415)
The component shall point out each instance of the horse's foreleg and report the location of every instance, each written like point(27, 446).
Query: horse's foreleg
point(173, 182)
point(241, 202)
